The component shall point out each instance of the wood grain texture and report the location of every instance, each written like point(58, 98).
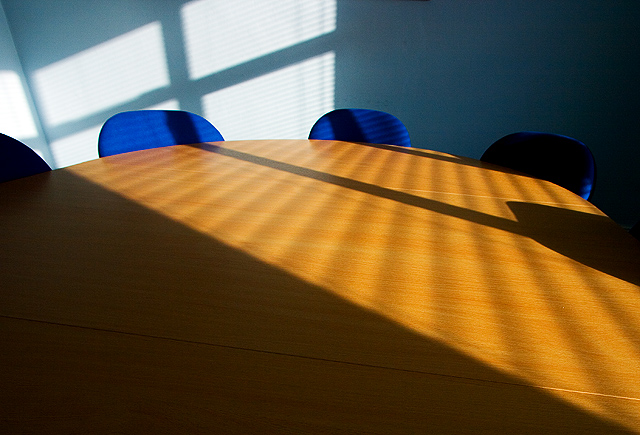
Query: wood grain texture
point(75, 380)
point(456, 285)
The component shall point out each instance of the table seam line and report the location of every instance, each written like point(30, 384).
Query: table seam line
point(313, 358)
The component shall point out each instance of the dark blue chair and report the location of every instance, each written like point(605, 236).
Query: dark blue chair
point(361, 125)
point(145, 129)
point(17, 160)
point(562, 160)
point(635, 230)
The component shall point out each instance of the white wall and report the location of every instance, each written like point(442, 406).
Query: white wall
point(459, 73)
point(18, 117)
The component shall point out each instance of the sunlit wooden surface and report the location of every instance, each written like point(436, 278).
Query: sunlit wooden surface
point(312, 286)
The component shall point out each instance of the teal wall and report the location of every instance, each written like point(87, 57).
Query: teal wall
point(459, 73)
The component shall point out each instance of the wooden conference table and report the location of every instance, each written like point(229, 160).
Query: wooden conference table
point(312, 286)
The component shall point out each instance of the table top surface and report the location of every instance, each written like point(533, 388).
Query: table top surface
point(319, 286)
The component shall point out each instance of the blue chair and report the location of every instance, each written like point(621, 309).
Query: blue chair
point(635, 230)
point(562, 160)
point(144, 129)
point(17, 160)
point(361, 125)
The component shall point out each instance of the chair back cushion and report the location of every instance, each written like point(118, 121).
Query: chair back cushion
point(145, 129)
point(361, 125)
point(635, 230)
point(17, 160)
point(562, 160)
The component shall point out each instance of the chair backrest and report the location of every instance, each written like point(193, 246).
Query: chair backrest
point(144, 129)
point(635, 230)
point(17, 160)
point(361, 125)
point(562, 160)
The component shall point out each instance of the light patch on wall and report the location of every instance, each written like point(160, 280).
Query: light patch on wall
point(77, 148)
point(220, 35)
point(16, 119)
point(283, 104)
point(165, 105)
point(83, 146)
point(104, 76)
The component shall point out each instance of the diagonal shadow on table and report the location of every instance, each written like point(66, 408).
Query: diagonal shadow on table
point(152, 326)
point(421, 152)
point(570, 233)
point(579, 236)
